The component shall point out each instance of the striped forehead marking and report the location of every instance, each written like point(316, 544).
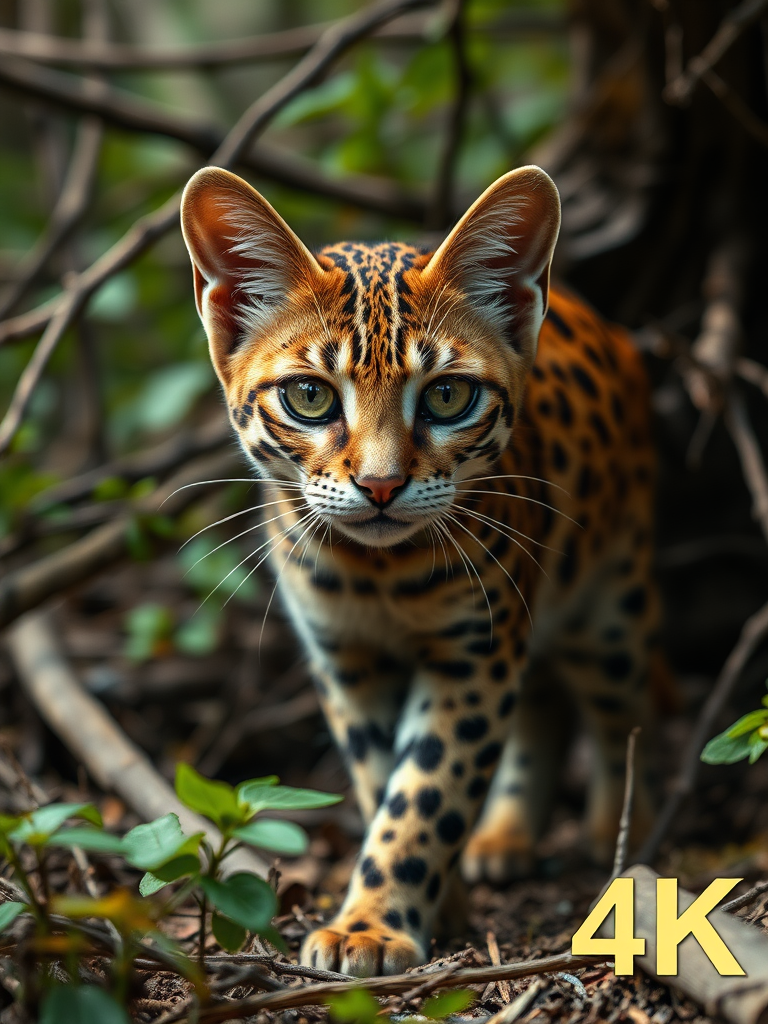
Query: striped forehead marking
point(377, 299)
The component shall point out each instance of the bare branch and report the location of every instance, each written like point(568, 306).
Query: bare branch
point(439, 215)
point(409, 29)
point(753, 372)
point(69, 210)
point(752, 463)
point(731, 100)
point(745, 899)
point(332, 44)
point(733, 24)
point(753, 632)
point(28, 587)
point(313, 995)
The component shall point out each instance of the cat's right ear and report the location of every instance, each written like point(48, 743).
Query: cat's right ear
point(245, 259)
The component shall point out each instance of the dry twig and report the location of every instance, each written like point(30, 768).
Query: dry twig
point(733, 24)
point(745, 899)
point(625, 822)
point(95, 739)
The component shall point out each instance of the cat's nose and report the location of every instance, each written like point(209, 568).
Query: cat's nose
point(380, 489)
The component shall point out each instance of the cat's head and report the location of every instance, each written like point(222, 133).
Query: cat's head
point(374, 376)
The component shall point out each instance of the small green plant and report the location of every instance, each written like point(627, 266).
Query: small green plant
point(360, 1007)
point(239, 903)
point(746, 738)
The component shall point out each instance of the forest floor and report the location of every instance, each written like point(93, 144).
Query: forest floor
point(248, 710)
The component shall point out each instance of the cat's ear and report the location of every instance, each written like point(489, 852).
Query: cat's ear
point(245, 259)
point(499, 254)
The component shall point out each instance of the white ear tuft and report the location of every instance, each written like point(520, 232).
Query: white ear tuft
point(500, 252)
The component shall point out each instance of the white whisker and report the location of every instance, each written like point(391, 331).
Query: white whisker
point(242, 512)
point(463, 554)
point(489, 522)
point(478, 541)
point(521, 497)
point(242, 533)
point(513, 476)
point(498, 523)
point(231, 480)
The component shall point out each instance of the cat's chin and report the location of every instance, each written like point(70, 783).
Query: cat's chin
point(378, 533)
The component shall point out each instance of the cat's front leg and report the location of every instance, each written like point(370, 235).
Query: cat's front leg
point(361, 694)
point(449, 739)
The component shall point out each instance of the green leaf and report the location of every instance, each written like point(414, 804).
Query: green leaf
point(149, 626)
point(269, 834)
point(178, 867)
point(355, 1007)
point(230, 936)
point(81, 1004)
point(9, 911)
point(150, 884)
point(747, 723)
point(243, 897)
point(271, 934)
point(150, 846)
point(757, 746)
point(216, 800)
point(37, 827)
point(446, 1003)
point(283, 798)
point(92, 839)
point(723, 749)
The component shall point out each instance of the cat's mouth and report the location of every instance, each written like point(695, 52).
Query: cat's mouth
point(380, 530)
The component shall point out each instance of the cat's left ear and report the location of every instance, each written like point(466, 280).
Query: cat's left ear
point(500, 252)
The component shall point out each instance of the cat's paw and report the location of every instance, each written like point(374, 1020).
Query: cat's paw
point(497, 856)
point(363, 954)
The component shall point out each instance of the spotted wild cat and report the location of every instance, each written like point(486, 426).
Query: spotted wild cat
point(456, 519)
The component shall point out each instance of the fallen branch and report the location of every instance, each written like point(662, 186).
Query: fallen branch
point(28, 587)
point(753, 632)
point(745, 899)
point(95, 739)
point(740, 1000)
point(753, 372)
point(316, 995)
point(331, 45)
point(733, 24)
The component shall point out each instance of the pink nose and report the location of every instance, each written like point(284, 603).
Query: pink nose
point(381, 490)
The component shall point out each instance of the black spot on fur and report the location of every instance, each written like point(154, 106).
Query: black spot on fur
point(469, 730)
point(372, 877)
point(411, 870)
point(413, 917)
point(617, 666)
point(634, 602)
point(359, 926)
point(427, 752)
point(394, 919)
point(559, 324)
point(388, 835)
point(450, 827)
point(566, 569)
point(428, 800)
point(507, 704)
point(433, 888)
point(457, 769)
point(584, 380)
point(452, 669)
point(477, 787)
point(397, 805)
point(559, 458)
point(489, 755)
point(499, 670)
point(357, 742)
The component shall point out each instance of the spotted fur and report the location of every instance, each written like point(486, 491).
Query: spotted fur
point(447, 580)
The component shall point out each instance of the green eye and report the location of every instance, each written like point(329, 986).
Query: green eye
point(447, 399)
point(310, 399)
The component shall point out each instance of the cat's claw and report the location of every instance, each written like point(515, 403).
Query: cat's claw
point(361, 954)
